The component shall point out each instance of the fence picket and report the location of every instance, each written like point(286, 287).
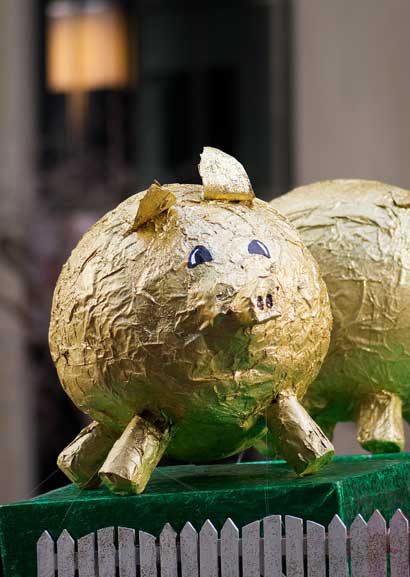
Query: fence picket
point(250, 550)
point(337, 536)
point(229, 549)
point(168, 552)
point(148, 554)
point(127, 561)
point(294, 546)
point(272, 546)
point(189, 551)
point(376, 528)
point(65, 555)
point(106, 552)
point(359, 547)
point(208, 547)
point(399, 545)
point(86, 555)
point(45, 556)
point(316, 551)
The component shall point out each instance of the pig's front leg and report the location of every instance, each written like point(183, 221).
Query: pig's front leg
point(299, 439)
point(380, 422)
point(133, 457)
point(82, 458)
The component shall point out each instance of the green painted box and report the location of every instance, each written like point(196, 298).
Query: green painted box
point(245, 492)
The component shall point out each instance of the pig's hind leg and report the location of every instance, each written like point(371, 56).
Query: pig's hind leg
point(82, 458)
point(380, 422)
point(299, 439)
point(133, 457)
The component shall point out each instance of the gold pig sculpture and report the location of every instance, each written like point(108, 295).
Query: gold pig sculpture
point(189, 320)
point(359, 232)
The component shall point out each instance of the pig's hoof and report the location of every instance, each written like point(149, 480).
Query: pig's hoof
point(309, 467)
point(82, 458)
point(381, 446)
point(134, 456)
point(380, 423)
point(299, 439)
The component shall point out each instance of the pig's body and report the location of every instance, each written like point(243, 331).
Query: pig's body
point(138, 329)
point(359, 232)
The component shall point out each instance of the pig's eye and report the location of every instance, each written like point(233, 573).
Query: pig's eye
point(258, 247)
point(198, 255)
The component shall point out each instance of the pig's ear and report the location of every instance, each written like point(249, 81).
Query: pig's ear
point(223, 177)
point(157, 199)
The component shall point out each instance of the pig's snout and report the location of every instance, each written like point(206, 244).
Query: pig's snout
point(250, 305)
point(255, 308)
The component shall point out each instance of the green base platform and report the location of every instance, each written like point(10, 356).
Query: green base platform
point(244, 492)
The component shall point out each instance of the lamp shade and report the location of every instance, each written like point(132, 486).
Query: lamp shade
point(87, 47)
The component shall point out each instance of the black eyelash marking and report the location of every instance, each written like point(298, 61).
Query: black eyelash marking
point(258, 247)
point(199, 255)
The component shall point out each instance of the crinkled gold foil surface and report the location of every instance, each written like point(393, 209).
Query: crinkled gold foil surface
point(135, 331)
point(359, 232)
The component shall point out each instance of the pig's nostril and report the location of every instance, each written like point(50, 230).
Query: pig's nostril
point(269, 301)
point(259, 303)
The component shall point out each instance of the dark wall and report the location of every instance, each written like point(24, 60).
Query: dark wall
point(214, 74)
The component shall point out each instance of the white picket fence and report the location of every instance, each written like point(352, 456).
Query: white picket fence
point(366, 550)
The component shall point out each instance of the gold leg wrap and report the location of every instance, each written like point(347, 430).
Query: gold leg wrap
point(82, 458)
point(134, 456)
point(300, 441)
point(380, 423)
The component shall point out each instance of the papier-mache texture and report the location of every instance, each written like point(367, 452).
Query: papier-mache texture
point(188, 326)
point(359, 232)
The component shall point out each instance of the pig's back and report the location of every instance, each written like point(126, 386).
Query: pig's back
point(359, 232)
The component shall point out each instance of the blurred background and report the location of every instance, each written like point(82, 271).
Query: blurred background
point(98, 98)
